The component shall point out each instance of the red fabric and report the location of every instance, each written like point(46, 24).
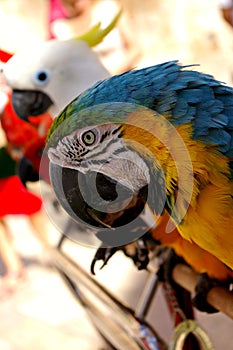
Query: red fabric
point(5, 56)
point(18, 132)
point(16, 199)
point(29, 136)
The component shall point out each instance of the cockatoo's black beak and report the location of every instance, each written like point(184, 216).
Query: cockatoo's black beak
point(30, 103)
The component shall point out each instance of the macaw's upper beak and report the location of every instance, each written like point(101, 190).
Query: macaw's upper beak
point(30, 103)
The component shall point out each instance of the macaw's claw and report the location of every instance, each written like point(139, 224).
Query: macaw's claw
point(204, 283)
point(139, 256)
point(104, 254)
point(166, 269)
point(203, 286)
point(178, 297)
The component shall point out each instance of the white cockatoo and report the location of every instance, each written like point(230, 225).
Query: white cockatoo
point(51, 74)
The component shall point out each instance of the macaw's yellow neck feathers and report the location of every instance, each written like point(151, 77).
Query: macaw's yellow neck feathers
point(96, 34)
point(210, 222)
point(197, 257)
point(209, 219)
point(203, 164)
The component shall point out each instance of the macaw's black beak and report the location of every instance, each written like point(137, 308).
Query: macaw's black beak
point(65, 184)
point(30, 103)
point(117, 214)
point(88, 197)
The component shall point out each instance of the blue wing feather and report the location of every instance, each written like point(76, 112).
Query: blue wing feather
point(184, 95)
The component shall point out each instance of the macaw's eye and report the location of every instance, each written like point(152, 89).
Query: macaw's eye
point(88, 137)
point(41, 77)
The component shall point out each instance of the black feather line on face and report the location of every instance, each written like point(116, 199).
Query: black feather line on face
point(113, 132)
point(101, 152)
point(103, 137)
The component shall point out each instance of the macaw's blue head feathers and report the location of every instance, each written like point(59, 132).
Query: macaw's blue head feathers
point(70, 119)
point(183, 95)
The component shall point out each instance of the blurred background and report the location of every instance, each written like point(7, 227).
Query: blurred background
point(36, 308)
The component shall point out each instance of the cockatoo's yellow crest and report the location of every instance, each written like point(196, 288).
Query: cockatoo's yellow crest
point(96, 34)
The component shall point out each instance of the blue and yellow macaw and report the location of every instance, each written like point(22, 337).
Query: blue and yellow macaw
point(162, 135)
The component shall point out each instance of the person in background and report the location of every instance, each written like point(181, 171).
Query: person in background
point(118, 51)
point(56, 11)
point(15, 198)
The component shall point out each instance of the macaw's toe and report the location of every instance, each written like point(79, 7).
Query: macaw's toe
point(102, 254)
point(139, 255)
point(166, 269)
point(203, 286)
point(179, 298)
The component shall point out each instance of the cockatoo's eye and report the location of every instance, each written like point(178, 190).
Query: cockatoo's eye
point(88, 137)
point(41, 77)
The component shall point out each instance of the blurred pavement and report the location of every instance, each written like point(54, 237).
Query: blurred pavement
point(43, 314)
